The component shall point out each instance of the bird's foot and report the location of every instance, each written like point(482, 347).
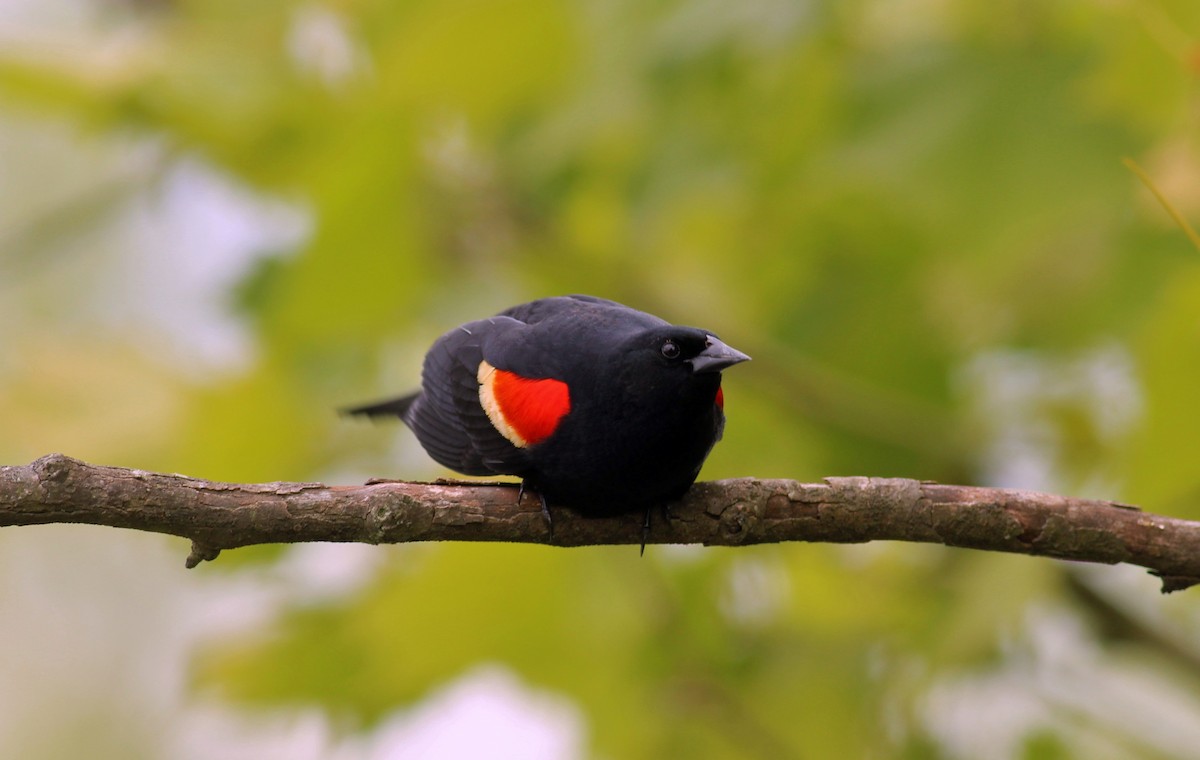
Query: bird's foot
point(645, 532)
point(667, 514)
point(545, 510)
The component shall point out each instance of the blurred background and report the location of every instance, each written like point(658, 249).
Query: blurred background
point(220, 221)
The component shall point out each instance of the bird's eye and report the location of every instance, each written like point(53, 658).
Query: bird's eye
point(670, 349)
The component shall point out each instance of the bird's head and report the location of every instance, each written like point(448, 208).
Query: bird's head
point(698, 351)
point(684, 357)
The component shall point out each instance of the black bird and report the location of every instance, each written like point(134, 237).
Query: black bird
point(596, 406)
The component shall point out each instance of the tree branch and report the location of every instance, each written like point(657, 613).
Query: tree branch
point(217, 516)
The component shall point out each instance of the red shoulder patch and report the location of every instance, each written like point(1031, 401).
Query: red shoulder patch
point(720, 398)
point(532, 407)
point(525, 411)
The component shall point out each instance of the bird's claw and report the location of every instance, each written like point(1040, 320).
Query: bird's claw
point(645, 533)
point(545, 509)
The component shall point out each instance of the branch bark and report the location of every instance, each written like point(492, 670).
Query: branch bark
point(217, 516)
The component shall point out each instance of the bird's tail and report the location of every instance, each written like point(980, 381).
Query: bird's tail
point(396, 407)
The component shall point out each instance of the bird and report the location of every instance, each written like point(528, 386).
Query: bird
point(594, 405)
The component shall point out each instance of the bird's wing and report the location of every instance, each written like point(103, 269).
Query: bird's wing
point(448, 418)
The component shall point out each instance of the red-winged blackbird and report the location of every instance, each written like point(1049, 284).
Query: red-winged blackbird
point(597, 406)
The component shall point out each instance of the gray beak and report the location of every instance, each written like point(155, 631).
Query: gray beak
point(716, 356)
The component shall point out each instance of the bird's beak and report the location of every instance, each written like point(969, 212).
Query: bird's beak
point(716, 356)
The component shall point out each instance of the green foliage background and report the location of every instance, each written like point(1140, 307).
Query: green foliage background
point(913, 215)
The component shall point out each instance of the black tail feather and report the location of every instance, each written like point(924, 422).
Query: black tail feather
point(396, 407)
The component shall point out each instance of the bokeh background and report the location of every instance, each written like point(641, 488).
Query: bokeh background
point(220, 221)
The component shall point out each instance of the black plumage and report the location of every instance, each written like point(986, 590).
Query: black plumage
point(627, 411)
